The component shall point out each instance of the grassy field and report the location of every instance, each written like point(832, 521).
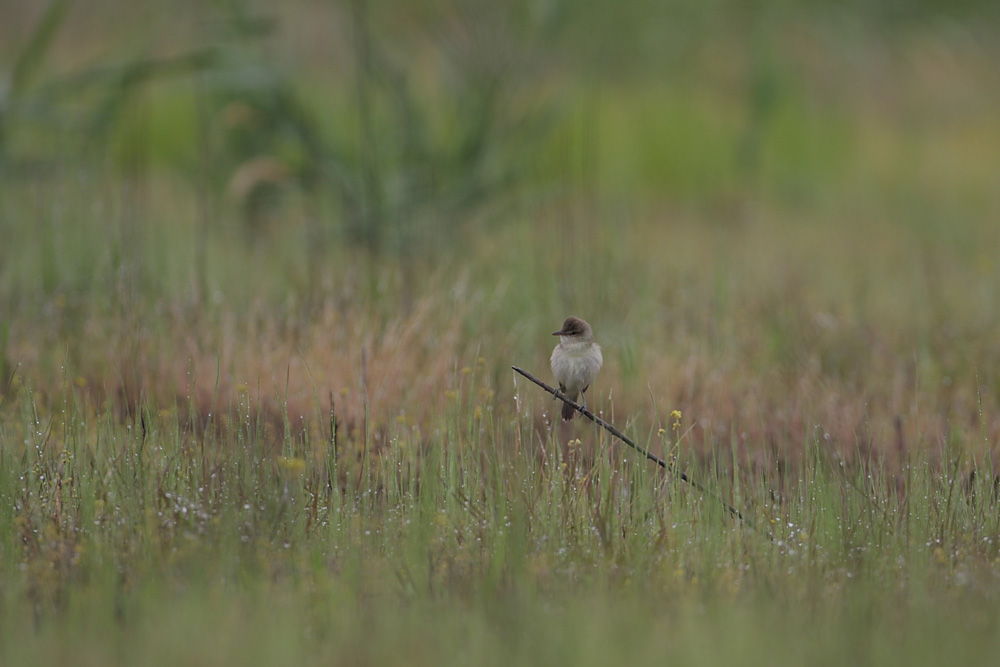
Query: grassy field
point(260, 294)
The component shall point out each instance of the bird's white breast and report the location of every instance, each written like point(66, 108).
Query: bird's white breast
point(575, 364)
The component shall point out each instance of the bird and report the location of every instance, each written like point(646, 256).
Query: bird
point(575, 361)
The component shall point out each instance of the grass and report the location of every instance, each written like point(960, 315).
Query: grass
point(130, 543)
point(223, 445)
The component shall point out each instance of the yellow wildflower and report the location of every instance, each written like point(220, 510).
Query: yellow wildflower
point(295, 466)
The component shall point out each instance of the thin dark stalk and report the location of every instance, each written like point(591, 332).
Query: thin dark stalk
point(624, 438)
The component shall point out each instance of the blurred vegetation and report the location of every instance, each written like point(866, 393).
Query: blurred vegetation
point(264, 268)
point(773, 187)
point(427, 114)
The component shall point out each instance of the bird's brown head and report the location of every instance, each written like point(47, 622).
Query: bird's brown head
point(574, 327)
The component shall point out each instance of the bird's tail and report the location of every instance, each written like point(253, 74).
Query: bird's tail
point(568, 411)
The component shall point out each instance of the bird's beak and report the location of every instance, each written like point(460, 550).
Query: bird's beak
point(558, 333)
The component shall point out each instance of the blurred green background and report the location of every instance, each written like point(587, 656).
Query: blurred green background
point(264, 268)
point(787, 208)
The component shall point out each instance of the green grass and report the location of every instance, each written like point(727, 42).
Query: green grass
point(227, 440)
point(174, 546)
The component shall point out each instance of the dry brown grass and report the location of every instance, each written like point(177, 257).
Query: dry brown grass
point(769, 336)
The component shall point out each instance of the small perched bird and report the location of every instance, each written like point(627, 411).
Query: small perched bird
point(575, 361)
